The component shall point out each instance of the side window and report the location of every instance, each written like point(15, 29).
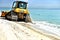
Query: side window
point(14, 5)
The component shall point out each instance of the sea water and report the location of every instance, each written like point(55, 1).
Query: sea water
point(47, 15)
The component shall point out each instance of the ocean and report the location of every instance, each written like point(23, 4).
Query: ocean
point(47, 15)
point(51, 16)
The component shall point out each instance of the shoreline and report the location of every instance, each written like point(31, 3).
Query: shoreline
point(54, 37)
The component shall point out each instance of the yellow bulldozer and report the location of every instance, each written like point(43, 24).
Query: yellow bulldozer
point(19, 12)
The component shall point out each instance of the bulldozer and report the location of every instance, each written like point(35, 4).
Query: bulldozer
point(19, 12)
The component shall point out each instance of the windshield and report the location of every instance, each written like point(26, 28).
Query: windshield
point(22, 5)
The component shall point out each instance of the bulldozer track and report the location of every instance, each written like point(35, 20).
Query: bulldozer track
point(31, 28)
point(38, 31)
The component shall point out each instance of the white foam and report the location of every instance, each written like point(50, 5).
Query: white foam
point(48, 27)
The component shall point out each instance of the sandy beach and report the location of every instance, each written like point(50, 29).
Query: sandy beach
point(10, 30)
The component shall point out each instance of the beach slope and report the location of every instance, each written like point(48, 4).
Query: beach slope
point(22, 31)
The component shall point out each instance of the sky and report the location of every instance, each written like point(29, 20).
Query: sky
point(34, 3)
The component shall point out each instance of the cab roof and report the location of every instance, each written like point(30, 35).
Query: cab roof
point(20, 2)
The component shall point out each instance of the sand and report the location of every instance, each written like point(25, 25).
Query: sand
point(10, 30)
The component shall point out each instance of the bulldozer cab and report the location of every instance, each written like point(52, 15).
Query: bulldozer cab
point(19, 4)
